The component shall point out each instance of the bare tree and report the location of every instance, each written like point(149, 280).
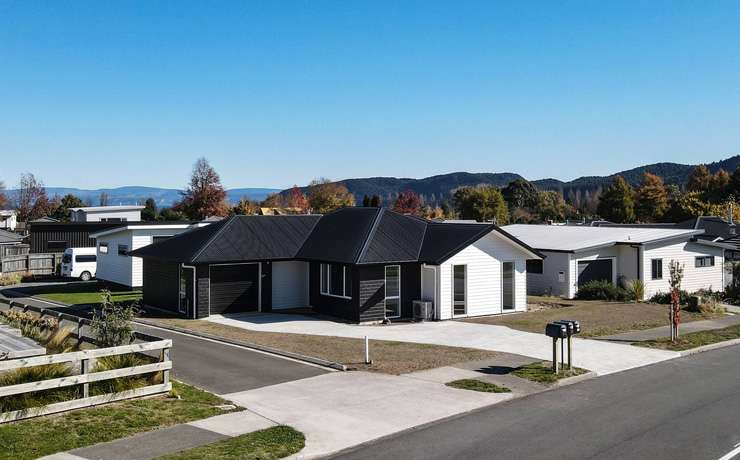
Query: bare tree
point(205, 195)
point(3, 196)
point(31, 200)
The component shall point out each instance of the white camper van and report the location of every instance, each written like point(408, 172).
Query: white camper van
point(79, 263)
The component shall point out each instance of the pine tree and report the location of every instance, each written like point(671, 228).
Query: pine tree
point(617, 203)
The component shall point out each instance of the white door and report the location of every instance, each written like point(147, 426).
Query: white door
point(289, 284)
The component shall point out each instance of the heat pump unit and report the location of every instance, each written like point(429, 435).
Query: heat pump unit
point(423, 310)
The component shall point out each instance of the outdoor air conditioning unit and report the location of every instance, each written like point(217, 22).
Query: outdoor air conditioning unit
point(423, 310)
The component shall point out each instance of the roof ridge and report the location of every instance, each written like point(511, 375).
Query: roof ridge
point(227, 223)
point(368, 237)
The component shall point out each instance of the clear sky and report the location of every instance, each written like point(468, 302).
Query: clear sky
point(101, 94)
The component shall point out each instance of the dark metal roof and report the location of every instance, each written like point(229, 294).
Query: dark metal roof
point(349, 236)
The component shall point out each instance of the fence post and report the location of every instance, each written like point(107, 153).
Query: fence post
point(84, 369)
point(165, 357)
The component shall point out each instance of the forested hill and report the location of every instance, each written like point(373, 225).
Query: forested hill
point(436, 189)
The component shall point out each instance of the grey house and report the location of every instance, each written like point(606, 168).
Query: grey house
point(358, 264)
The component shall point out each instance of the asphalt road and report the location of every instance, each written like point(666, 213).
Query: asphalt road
point(222, 368)
point(687, 408)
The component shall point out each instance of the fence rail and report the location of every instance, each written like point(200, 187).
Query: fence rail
point(84, 361)
point(37, 264)
point(14, 250)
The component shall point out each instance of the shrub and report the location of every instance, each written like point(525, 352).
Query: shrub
point(108, 363)
point(112, 323)
point(665, 298)
point(601, 290)
point(9, 279)
point(635, 290)
point(36, 398)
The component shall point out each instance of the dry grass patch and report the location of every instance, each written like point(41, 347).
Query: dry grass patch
point(597, 317)
point(388, 357)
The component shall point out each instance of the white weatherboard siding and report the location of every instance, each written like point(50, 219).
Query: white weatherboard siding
point(548, 282)
point(289, 284)
point(694, 278)
point(484, 260)
point(111, 266)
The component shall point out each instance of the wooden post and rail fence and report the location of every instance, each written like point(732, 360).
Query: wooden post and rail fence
point(84, 361)
point(17, 259)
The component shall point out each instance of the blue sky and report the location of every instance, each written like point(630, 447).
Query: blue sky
point(96, 94)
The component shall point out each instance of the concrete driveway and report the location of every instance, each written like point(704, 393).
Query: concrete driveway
point(598, 356)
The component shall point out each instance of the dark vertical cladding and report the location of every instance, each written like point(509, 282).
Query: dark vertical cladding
point(372, 290)
point(329, 305)
point(64, 235)
point(203, 286)
point(266, 287)
point(161, 284)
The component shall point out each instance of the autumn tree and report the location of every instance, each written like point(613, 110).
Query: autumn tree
point(245, 207)
point(326, 196)
point(651, 198)
point(617, 203)
point(408, 202)
point(149, 213)
point(3, 196)
point(699, 179)
point(103, 199)
point(205, 196)
point(31, 201)
point(482, 203)
point(297, 199)
point(273, 200)
point(68, 201)
point(719, 187)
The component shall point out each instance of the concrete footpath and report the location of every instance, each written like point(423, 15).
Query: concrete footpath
point(665, 331)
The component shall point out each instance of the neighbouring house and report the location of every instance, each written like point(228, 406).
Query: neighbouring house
point(8, 220)
point(106, 214)
point(114, 264)
point(358, 264)
point(10, 244)
point(576, 255)
point(45, 237)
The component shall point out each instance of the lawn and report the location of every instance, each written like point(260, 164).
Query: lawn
point(388, 357)
point(541, 372)
point(477, 385)
point(272, 443)
point(597, 318)
point(55, 433)
point(693, 339)
point(79, 293)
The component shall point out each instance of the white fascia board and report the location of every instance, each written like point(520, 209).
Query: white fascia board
point(139, 227)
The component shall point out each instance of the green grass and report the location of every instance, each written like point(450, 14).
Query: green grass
point(477, 385)
point(41, 436)
point(693, 339)
point(541, 372)
point(272, 443)
point(84, 297)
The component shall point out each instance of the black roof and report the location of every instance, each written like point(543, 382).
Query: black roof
point(349, 236)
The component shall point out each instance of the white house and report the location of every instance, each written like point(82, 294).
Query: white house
point(106, 214)
point(578, 254)
point(113, 247)
point(8, 220)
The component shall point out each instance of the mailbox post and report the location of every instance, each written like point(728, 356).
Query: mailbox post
point(556, 331)
point(573, 328)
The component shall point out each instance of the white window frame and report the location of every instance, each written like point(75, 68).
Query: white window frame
point(703, 258)
point(324, 273)
point(385, 292)
point(652, 271)
point(103, 248)
point(465, 290)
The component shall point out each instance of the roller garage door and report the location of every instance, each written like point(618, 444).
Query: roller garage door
point(234, 288)
point(592, 270)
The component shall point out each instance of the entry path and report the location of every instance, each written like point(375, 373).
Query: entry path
point(600, 357)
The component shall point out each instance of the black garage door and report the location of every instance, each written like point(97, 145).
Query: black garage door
point(234, 288)
point(591, 270)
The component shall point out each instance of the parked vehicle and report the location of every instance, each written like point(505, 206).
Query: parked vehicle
point(79, 263)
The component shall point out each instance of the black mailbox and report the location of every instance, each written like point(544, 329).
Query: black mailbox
point(569, 326)
point(574, 327)
point(557, 331)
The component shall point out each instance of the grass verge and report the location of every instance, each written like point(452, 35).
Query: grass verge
point(388, 357)
point(541, 372)
point(597, 318)
point(477, 385)
point(84, 295)
point(693, 339)
point(272, 443)
point(41, 436)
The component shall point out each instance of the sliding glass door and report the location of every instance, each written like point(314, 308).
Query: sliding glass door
point(459, 294)
point(392, 291)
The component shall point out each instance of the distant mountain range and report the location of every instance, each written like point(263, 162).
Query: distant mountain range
point(439, 188)
point(137, 195)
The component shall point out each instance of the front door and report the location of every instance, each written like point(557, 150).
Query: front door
point(392, 291)
point(507, 284)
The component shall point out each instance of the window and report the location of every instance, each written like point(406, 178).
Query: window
point(534, 266)
point(123, 249)
point(392, 291)
point(113, 219)
point(656, 269)
point(85, 258)
point(56, 246)
point(103, 248)
point(336, 280)
point(704, 261)
point(458, 290)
